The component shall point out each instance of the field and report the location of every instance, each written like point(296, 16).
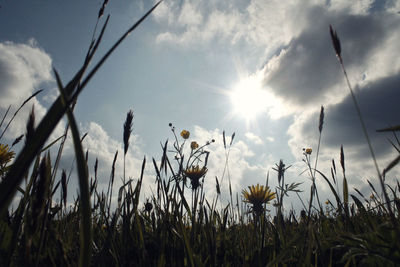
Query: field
point(178, 225)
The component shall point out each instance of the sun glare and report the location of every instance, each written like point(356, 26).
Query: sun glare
point(248, 98)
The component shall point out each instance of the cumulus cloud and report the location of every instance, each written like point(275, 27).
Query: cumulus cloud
point(378, 105)
point(307, 75)
point(309, 61)
point(268, 24)
point(254, 138)
point(103, 147)
point(24, 69)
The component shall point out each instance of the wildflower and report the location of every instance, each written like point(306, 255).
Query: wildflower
point(327, 202)
point(194, 173)
point(257, 196)
point(5, 154)
point(308, 151)
point(185, 134)
point(194, 145)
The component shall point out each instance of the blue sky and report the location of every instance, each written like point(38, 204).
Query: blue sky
point(261, 69)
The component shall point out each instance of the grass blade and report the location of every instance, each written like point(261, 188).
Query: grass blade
point(86, 236)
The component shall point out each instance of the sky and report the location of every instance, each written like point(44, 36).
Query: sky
point(261, 69)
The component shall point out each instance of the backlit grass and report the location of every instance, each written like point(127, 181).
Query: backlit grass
point(178, 225)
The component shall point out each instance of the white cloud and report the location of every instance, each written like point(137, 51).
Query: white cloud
point(103, 147)
point(264, 24)
point(24, 69)
point(254, 138)
point(190, 15)
point(353, 7)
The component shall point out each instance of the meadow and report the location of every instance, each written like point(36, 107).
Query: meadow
point(178, 225)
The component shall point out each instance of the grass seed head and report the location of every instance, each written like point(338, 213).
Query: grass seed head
point(321, 119)
point(336, 42)
point(127, 130)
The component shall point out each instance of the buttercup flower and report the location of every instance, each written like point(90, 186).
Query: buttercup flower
point(257, 196)
point(5, 154)
point(185, 134)
point(194, 173)
point(194, 145)
point(308, 151)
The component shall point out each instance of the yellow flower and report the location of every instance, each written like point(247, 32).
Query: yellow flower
point(5, 154)
point(5, 157)
point(194, 145)
point(327, 202)
point(257, 196)
point(308, 151)
point(194, 173)
point(185, 134)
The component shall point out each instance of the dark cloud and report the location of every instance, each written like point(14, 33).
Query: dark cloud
point(379, 105)
point(308, 72)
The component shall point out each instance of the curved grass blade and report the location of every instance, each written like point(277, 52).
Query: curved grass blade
point(86, 237)
point(339, 202)
point(104, 58)
point(391, 165)
point(5, 115)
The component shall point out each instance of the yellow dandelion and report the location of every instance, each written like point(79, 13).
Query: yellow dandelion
point(185, 134)
point(257, 196)
point(5, 157)
point(5, 154)
point(194, 173)
point(194, 145)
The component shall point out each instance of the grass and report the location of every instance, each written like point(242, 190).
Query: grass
point(178, 225)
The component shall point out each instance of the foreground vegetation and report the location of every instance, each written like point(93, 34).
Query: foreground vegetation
point(178, 226)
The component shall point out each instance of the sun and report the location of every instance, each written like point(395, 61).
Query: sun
point(249, 99)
